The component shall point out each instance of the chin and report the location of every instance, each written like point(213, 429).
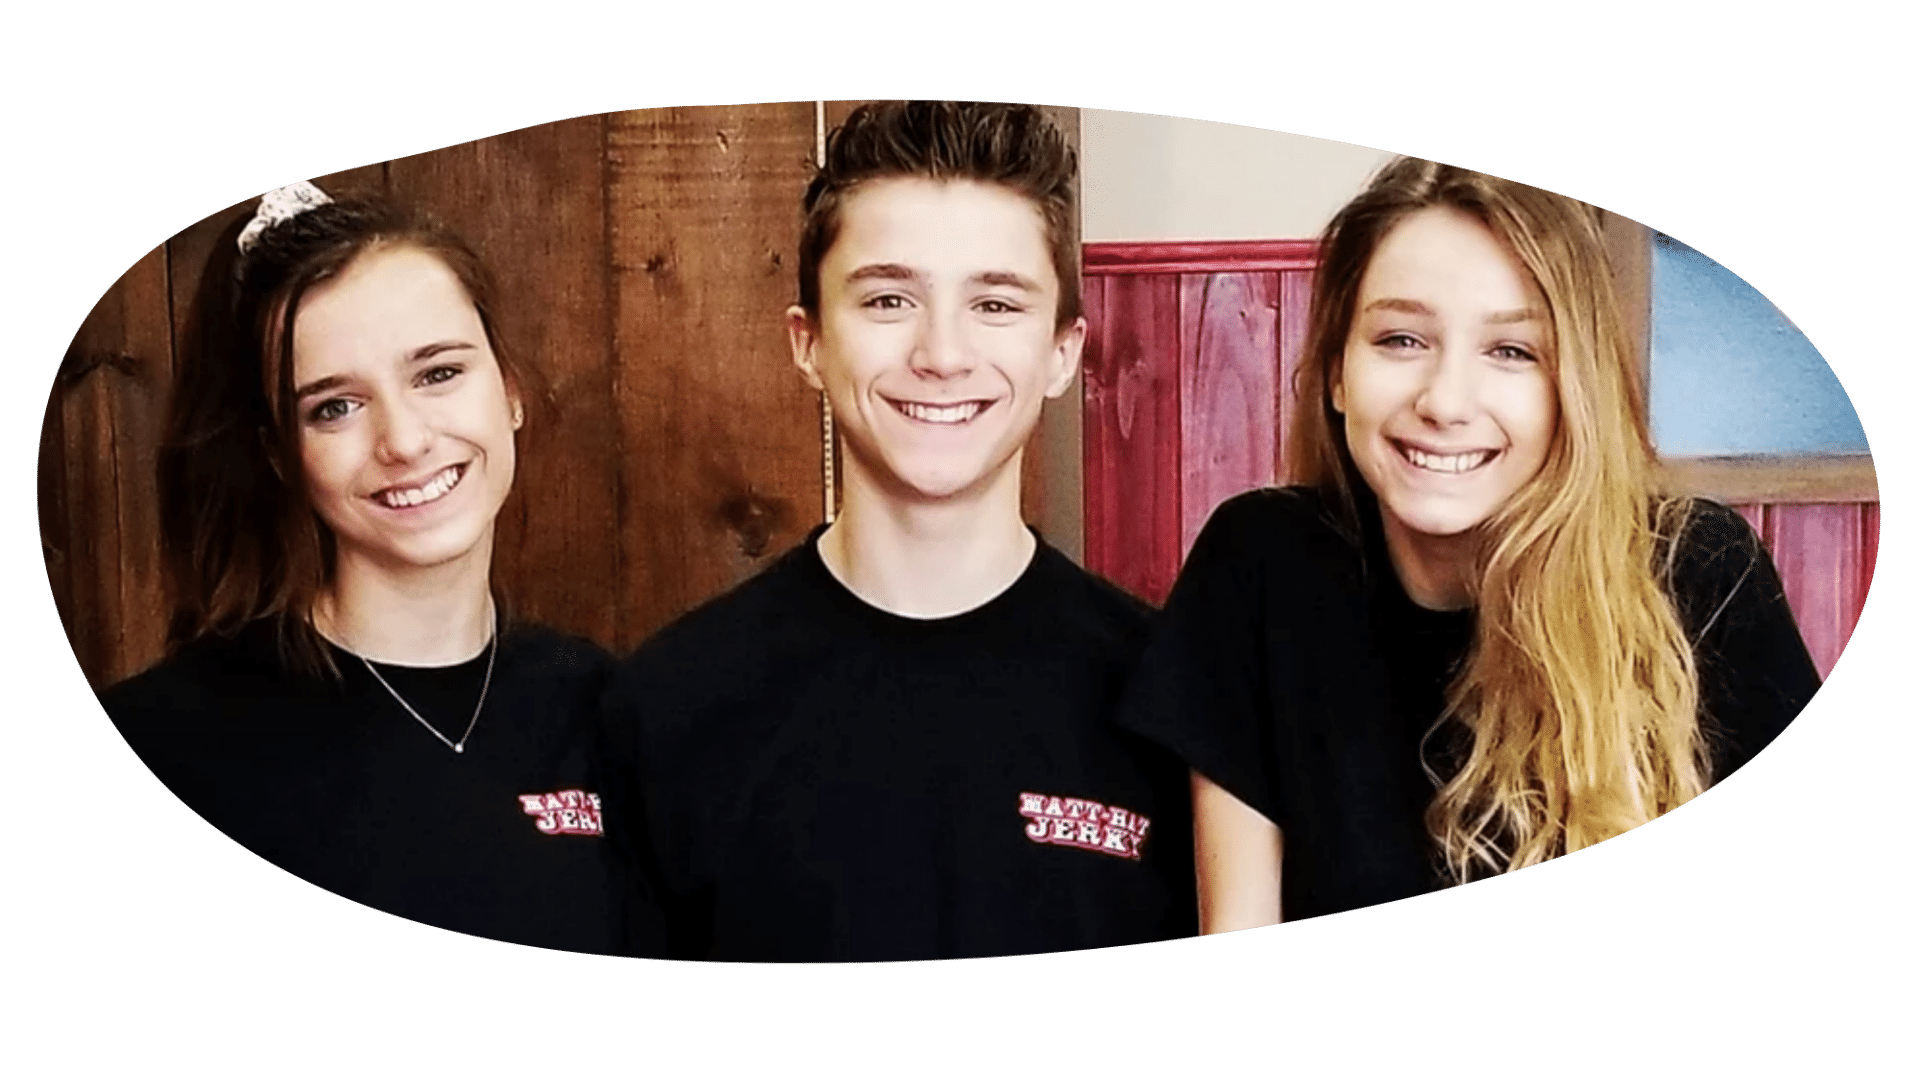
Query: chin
point(935, 480)
point(421, 552)
point(1427, 519)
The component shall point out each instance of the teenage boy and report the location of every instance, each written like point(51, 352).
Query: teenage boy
point(895, 743)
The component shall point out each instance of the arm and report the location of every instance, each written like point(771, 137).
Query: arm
point(1236, 860)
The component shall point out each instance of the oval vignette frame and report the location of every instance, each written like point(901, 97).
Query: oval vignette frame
point(774, 519)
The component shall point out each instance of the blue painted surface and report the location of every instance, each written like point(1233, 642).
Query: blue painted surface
point(1731, 375)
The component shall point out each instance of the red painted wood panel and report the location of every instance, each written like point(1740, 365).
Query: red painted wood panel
point(1131, 433)
point(1825, 553)
point(1198, 257)
point(1229, 371)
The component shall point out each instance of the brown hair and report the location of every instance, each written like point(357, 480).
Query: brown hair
point(1015, 146)
point(1579, 694)
point(240, 540)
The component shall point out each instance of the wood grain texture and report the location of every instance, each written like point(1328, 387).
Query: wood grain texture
point(1198, 256)
point(719, 436)
point(98, 519)
point(1296, 294)
point(1764, 478)
point(1229, 373)
point(1825, 553)
point(1132, 432)
point(533, 204)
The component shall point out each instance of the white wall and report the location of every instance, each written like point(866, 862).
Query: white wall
point(1147, 177)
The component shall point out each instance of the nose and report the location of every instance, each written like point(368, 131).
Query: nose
point(941, 351)
point(404, 432)
point(1450, 394)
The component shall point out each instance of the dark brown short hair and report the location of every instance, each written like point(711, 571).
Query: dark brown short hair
point(240, 540)
point(1015, 146)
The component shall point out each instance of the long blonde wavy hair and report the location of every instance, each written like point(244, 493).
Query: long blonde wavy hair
point(1579, 692)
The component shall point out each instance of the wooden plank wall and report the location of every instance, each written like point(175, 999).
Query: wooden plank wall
point(1189, 381)
point(644, 259)
point(1188, 376)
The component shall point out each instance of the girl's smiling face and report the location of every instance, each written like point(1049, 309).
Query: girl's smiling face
point(1448, 402)
point(405, 420)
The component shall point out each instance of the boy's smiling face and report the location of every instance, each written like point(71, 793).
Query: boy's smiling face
point(935, 340)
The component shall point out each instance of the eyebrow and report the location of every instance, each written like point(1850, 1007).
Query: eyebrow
point(1415, 307)
point(884, 272)
point(902, 272)
point(424, 352)
point(1007, 278)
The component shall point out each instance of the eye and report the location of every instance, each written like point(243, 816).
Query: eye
point(330, 411)
point(1514, 354)
point(1398, 341)
point(440, 373)
point(996, 305)
point(885, 302)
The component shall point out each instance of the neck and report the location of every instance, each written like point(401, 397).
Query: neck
point(1436, 571)
point(419, 617)
point(933, 558)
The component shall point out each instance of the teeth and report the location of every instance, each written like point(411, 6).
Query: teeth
point(942, 414)
point(1448, 463)
point(442, 482)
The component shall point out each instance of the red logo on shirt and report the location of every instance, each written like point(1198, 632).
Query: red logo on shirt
point(1083, 823)
point(564, 813)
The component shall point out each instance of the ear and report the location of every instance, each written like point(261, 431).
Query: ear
point(1337, 391)
point(516, 405)
point(804, 337)
point(1067, 346)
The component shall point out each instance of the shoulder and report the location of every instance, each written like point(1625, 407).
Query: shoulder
point(1276, 518)
point(736, 617)
point(1705, 533)
point(199, 683)
point(535, 647)
point(1087, 602)
point(1710, 555)
point(1271, 535)
point(1264, 509)
point(732, 632)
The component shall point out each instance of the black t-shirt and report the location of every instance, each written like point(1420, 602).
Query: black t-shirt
point(333, 780)
point(1290, 668)
point(822, 780)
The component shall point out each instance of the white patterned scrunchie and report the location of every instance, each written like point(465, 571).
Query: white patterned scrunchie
point(277, 206)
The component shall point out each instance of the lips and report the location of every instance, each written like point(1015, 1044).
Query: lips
point(432, 489)
point(1446, 463)
point(951, 414)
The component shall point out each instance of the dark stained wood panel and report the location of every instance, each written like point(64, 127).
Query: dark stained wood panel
point(1229, 372)
point(533, 204)
point(1132, 432)
point(98, 520)
point(719, 435)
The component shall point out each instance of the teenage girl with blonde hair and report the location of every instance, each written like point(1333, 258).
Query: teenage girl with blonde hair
point(1474, 636)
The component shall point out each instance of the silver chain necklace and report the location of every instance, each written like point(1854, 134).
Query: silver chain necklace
point(493, 647)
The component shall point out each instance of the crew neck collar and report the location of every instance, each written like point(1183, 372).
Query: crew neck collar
point(846, 600)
